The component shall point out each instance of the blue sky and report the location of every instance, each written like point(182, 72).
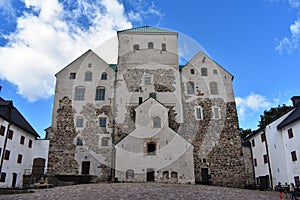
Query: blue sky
point(255, 40)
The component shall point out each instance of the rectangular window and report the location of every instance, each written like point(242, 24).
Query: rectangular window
point(266, 158)
point(30, 144)
point(156, 122)
point(198, 113)
point(147, 80)
point(215, 72)
point(100, 94)
point(263, 137)
point(79, 93)
point(140, 100)
point(190, 87)
point(216, 113)
point(290, 133)
point(19, 158)
point(72, 75)
point(79, 122)
point(192, 71)
point(10, 134)
point(88, 76)
point(2, 177)
point(294, 156)
point(102, 122)
point(22, 140)
point(253, 143)
point(6, 154)
point(255, 162)
point(163, 47)
point(297, 181)
point(2, 130)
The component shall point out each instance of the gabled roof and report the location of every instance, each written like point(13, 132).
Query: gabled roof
point(292, 117)
point(12, 115)
point(146, 29)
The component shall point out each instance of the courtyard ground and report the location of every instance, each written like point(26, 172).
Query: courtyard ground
point(143, 191)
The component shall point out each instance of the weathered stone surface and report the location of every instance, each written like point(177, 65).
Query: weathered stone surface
point(62, 149)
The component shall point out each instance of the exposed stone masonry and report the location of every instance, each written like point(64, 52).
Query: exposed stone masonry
point(62, 148)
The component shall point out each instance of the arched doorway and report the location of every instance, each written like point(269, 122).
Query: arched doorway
point(150, 175)
point(151, 148)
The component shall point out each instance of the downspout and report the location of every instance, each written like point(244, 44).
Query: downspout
point(4, 147)
point(269, 165)
point(182, 103)
point(113, 149)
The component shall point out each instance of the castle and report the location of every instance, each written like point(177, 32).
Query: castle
point(146, 118)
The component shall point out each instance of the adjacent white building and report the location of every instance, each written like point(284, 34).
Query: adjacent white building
point(276, 148)
point(21, 150)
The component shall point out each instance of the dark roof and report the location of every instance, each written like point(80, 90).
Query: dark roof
point(146, 29)
point(12, 115)
point(293, 116)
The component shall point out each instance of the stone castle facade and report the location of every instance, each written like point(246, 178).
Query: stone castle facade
point(146, 118)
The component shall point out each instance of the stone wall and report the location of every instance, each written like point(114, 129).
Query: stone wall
point(62, 148)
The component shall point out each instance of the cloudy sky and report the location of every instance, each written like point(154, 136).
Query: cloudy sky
point(256, 40)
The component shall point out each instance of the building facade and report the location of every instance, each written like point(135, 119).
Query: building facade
point(21, 151)
point(146, 118)
point(276, 150)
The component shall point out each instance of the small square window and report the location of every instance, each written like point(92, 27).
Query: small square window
point(79, 122)
point(104, 76)
point(215, 72)
point(19, 161)
point(6, 154)
point(72, 75)
point(30, 144)
point(2, 177)
point(192, 71)
point(294, 156)
point(266, 160)
point(290, 133)
point(104, 141)
point(2, 130)
point(147, 80)
point(88, 76)
point(22, 140)
point(10, 134)
point(102, 122)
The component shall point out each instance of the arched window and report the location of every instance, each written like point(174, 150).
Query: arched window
point(190, 87)
point(104, 141)
point(79, 93)
point(88, 76)
point(79, 122)
point(156, 122)
point(151, 148)
point(129, 175)
point(165, 175)
point(104, 76)
point(213, 87)
point(136, 47)
point(100, 93)
point(79, 142)
point(163, 47)
point(204, 71)
point(174, 176)
point(150, 45)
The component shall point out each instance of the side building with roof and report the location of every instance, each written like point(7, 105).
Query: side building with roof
point(21, 150)
point(146, 118)
point(276, 149)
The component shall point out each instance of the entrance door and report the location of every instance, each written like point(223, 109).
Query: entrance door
point(38, 166)
point(14, 180)
point(264, 182)
point(85, 167)
point(205, 176)
point(150, 175)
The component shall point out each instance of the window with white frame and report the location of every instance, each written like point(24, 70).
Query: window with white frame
point(147, 79)
point(198, 113)
point(213, 88)
point(216, 111)
point(102, 122)
point(79, 122)
point(190, 87)
point(88, 76)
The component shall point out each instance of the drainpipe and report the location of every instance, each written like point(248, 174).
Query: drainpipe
point(113, 149)
point(4, 147)
point(182, 103)
point(269, 165)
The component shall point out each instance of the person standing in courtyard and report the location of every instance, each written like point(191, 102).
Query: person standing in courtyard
point(292, 191)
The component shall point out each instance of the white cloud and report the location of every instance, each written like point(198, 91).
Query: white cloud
point(294, 3)
point(252, 104)
point(50, 37)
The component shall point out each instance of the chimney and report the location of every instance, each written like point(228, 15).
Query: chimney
point(296, 101)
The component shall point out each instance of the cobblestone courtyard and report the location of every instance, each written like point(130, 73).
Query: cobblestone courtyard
point(144, 191)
